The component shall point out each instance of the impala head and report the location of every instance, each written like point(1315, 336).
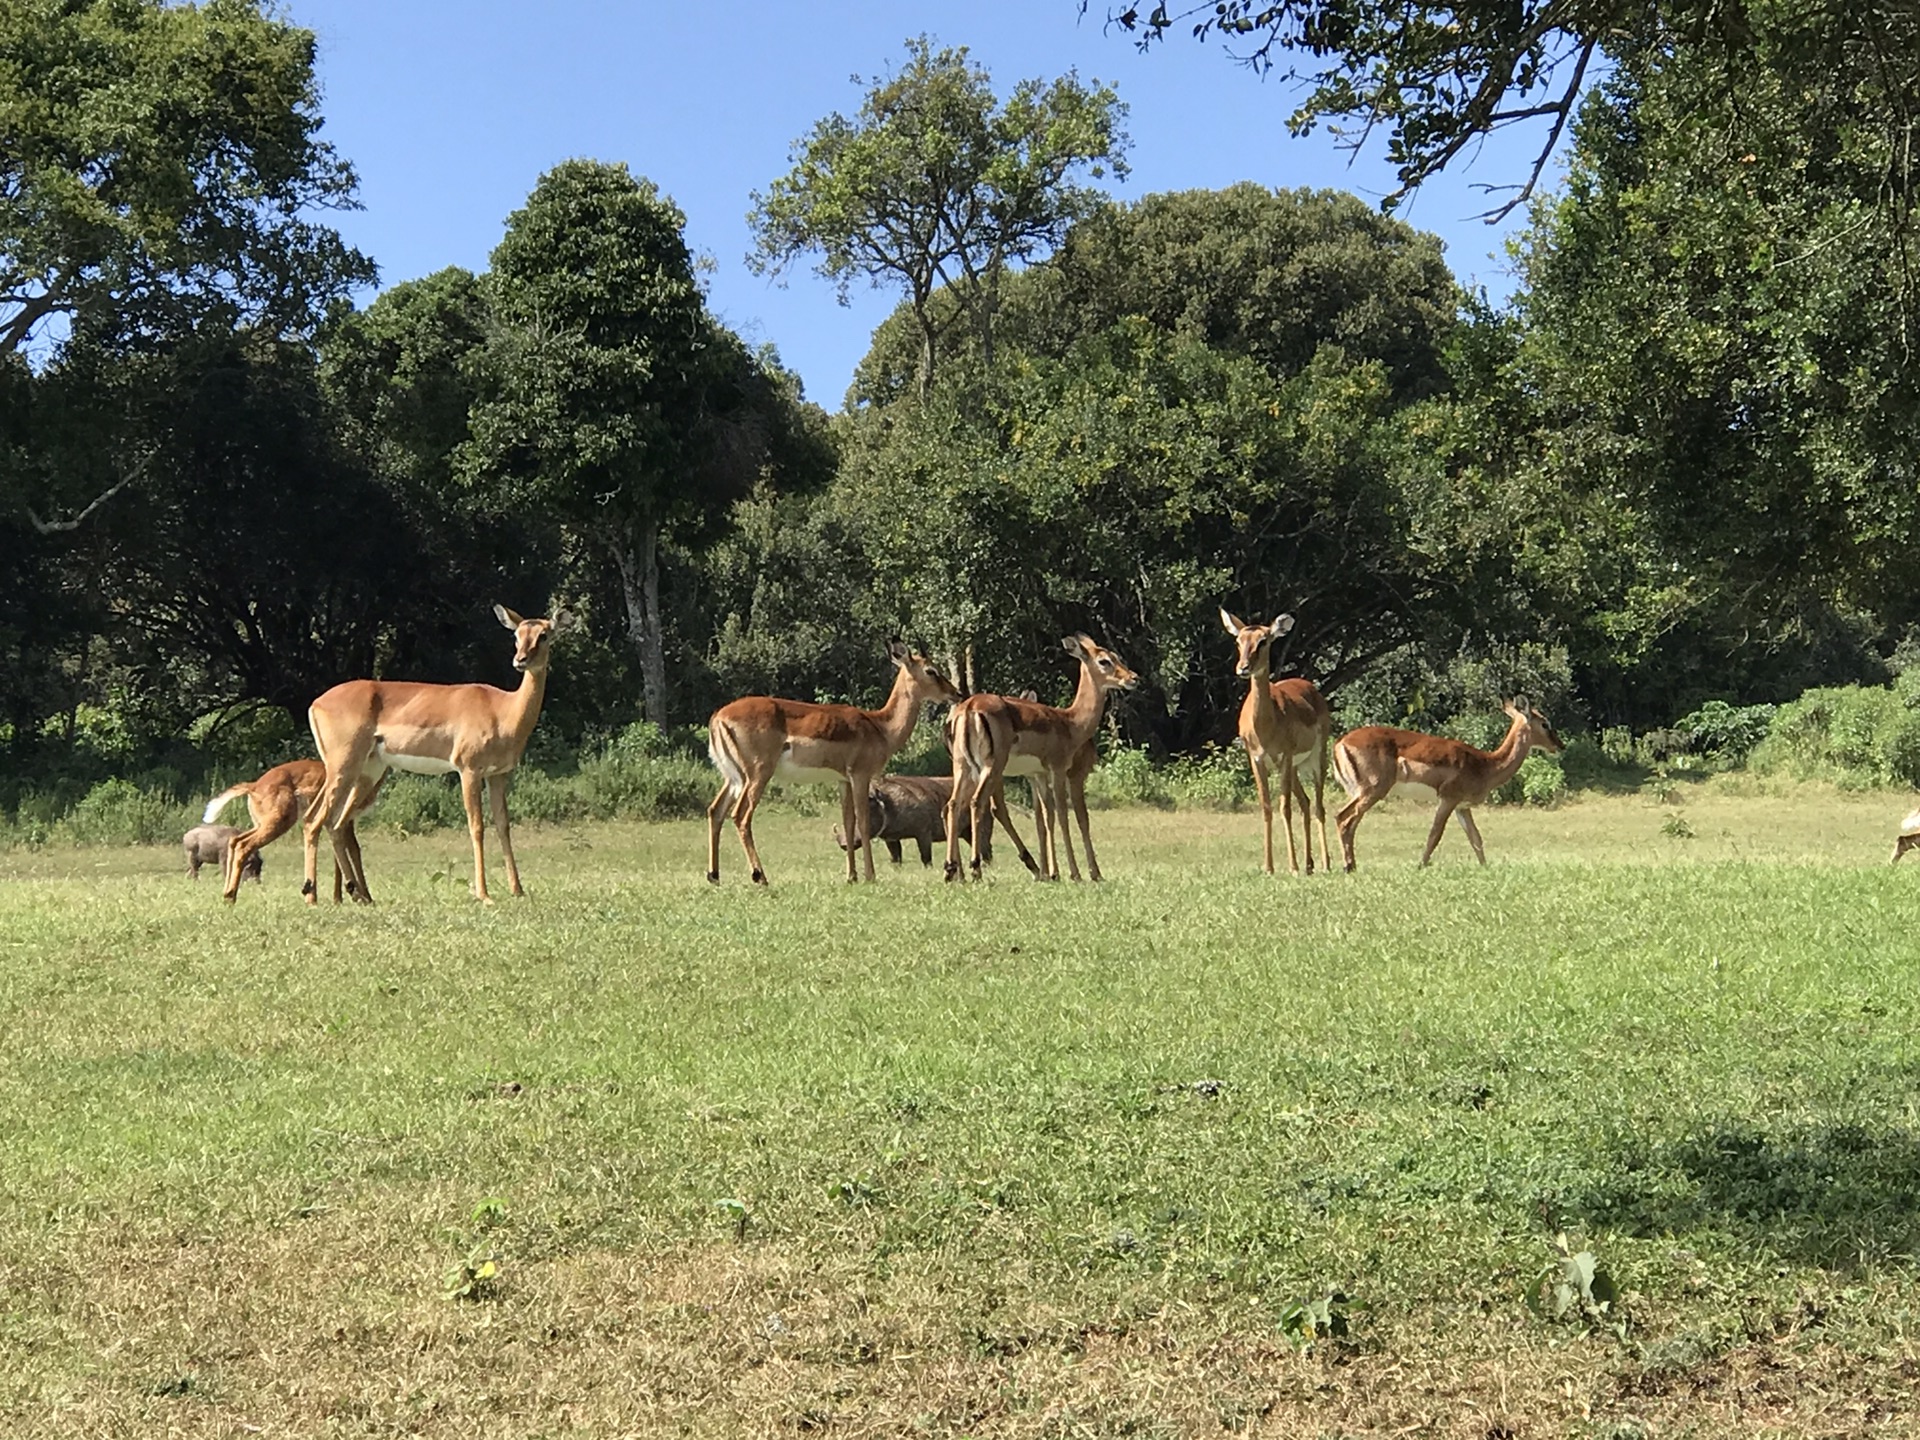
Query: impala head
point(928, 682)
point(533, 639)
point(1540, 735)
point(1254, 641)
point(1105, 666)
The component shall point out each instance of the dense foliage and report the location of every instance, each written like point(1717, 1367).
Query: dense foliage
point(1673, 483)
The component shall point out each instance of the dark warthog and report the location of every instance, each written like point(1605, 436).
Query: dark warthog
point(908, 807)
point(207, 845)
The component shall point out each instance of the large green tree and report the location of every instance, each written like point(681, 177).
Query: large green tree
point(610, 398)
point(160, 175)
point(941, 189)
point(1435, 76)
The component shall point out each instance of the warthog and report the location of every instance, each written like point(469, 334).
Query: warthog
point(908, 807)
point(207, 845)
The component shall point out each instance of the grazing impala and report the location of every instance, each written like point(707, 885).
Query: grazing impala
point(993, 736)
point(366, 727)
point(274, 802)
point(758, 739)
point(1283, 721)
point(1372, 760)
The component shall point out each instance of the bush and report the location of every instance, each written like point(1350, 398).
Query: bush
point(119, 812)
point(1127, 776)
point(1220, 778)
point(1726, 732)
point(1854, 735)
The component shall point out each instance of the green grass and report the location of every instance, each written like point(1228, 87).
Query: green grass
point(1004, 1159)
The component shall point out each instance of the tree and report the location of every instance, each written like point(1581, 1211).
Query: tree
point(1271, 274)
point(609, 397)
point(1717, 334)
point(937, 187)
point(1436, 75)
point(161, 162)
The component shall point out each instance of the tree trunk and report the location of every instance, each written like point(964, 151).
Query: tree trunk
point(638, 556)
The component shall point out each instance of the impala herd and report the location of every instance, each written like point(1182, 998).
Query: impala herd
point(366, 728)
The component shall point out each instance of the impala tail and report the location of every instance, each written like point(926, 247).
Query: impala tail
point(220, 801)
point(1343, 768)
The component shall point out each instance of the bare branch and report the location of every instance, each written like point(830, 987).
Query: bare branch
point(74, 522)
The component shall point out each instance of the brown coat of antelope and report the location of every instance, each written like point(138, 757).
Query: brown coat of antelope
point(1282, 722)
point(1372, 760)
point(274, 802)
point(993, 736)
point(757, 739)
point(364, 728)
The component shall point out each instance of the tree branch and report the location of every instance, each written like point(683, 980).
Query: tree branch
point(62, 527)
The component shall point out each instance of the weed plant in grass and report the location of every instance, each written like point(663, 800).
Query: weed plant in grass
point(639, 1154)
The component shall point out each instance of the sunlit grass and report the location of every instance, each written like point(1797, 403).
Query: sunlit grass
point(980, 1159)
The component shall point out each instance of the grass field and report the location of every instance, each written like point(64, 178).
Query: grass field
point(636, 1155)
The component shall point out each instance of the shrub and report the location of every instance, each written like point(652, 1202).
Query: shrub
point(1727, 732)
point(1126, 775)
point(119, 812)
point(1220, 777)
point(1853, 735)
point(417, 804)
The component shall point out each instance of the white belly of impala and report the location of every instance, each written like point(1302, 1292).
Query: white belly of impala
point(805, 775)
point(412, 764)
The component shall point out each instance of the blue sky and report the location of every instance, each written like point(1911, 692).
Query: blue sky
point(451, 111)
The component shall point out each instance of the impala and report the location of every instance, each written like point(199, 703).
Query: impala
point(274, 802)
point(1372, 760)
point(1282, 722)
point(366, 727)
point(759, 739)
point(993, 736)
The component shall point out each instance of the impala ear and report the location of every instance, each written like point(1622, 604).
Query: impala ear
point(1071, 643)
point(1281, 625)
point(506, 617)
point(1233, 625)
point(563, 621)
point(897, 651)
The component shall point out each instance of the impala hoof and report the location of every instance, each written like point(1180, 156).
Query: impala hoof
point(759, 877)
point(306, 888)
point(713, 877)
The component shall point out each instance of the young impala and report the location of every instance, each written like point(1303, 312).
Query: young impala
point(1372, 760)
point(1282, 722)
point(275, 802)
point(759, 739)
point(993, 736)
point(363, 728)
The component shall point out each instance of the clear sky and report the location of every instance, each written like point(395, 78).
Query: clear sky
point(451, 109)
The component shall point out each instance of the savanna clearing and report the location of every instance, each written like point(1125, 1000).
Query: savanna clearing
point(635, 1155)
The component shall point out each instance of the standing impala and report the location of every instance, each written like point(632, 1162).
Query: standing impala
point(758, 739)
point(993, 736)
point(1372, 760)
point(366, 727)
point(1283, 722)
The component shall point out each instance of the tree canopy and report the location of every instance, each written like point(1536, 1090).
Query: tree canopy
point(940, 188)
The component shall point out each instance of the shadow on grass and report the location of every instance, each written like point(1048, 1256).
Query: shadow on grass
point(1835, 1196)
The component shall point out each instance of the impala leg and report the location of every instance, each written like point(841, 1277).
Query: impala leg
point(1473, 833)
point(1057, 784)
point(1077, 793)
point(1005, 817)
point(1297, 791)
point(1320, 804)
point(980, 817)
point(497, 795)
point(336, 794)
point(743, 825)
point(1348, 821)
point(1441, 815)
point(959, 802)
point(717, 812)
point(1261, 789)
point(1286, 810)
point(862, 787)
point(1043, 841)
point(471, 786)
